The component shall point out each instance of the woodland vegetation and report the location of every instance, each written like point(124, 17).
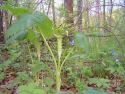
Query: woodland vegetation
point(62, 46)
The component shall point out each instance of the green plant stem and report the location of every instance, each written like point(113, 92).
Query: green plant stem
point(58, 79)
point(37, 75)
point(30, 54)
point(57, 66)
point(66, 59)
point(50, 50)
point(58, 72)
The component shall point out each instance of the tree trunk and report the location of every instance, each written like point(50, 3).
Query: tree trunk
point(110, 18)
point(1, 25)
point(53, 11)
point(86, 15)
point(98, 12)
point(68, 4)
point(104, 16)
point(6, 21)
point(80, 12)
point(124, 3)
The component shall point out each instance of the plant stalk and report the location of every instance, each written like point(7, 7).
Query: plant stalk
point(58, 80)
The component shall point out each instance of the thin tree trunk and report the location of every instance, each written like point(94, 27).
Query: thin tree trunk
point(124, 3)
point(1, 25)
point(79, 10)
point(87, 16)
point(53, 11)
point(98, 12)
point(111, 8)
point(110, 18)
point(86, 13)
point(49, 6)
point(6, 21)
point(104, 16)
point(69, 12)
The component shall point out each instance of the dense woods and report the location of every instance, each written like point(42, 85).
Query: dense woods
point(62, 46)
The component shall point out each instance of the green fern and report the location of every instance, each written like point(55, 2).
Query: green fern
point(31, 88)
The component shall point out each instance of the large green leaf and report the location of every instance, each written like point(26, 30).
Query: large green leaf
point(38, 21)
point(18, 30)
point(43, 24)
point(34, 39)
point(17, 11)
point(81, 41)
point(32, 36)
